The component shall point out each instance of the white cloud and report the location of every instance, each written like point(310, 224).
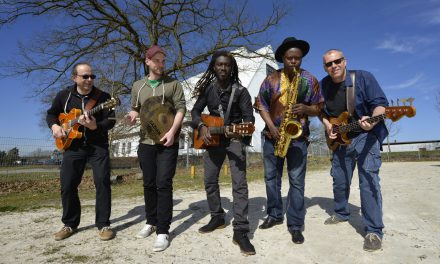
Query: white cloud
point(396, 46)
point(405, 45)
point(432, 16)
point(411, 83)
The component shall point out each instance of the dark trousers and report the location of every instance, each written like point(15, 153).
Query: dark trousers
point(158, 164)
point(213, 160)
point(72, 169)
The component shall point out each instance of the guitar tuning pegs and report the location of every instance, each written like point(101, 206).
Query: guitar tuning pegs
point(403, 100)
point(410, 100)
point(397, 102)
point(392, 102)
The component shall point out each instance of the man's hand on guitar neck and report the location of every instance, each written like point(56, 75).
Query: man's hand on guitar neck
point(367, 126)
point(87, 121)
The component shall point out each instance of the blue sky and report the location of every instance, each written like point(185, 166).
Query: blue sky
point(396, 40)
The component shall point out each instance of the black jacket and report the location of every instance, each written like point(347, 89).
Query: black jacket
point(69, 98)
point(241, 108)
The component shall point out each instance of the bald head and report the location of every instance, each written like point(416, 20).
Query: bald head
point(335, 65)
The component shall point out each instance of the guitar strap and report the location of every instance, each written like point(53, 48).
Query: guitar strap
point(234, 87)
point(92, 101)
point(350, 94)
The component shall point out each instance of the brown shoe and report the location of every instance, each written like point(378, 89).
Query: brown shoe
point(106, 233)
point(64, 233)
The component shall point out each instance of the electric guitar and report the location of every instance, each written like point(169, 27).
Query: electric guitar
point(70, 123)
point(341, 126)
point(216, 127)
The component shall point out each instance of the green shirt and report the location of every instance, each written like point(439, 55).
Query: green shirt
point(154, 83)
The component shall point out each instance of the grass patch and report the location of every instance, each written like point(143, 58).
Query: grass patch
point(31, 191)
point(28, 193)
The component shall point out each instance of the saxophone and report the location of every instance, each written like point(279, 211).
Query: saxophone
point(289, 128)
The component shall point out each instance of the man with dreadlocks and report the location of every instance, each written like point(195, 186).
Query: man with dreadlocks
point(220, 90)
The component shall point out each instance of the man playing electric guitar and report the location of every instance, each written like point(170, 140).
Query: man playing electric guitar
point(367, 100)
point(91, 147)
point(219, 89)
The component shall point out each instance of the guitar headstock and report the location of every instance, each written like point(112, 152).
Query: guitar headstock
point(396, 112)
point(111, 103)
point(243, 129)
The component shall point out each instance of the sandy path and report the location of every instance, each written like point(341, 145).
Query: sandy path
point(411, 215)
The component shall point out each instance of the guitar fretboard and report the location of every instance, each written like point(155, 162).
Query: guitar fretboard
point(217, 130)
point(355, 125)
point(90, 113)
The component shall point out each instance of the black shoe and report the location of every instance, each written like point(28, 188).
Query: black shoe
point(241, 239)
point(297, 237)
point(216, 222)
point(270, 222)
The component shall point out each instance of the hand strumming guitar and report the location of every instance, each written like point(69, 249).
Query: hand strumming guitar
point(205, 134)
point(329, 129)
point(57, 131)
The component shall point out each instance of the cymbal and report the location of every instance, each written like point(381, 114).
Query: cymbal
point(156, 117)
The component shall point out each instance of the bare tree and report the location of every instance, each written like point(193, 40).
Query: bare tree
point(393, 130)
point(113, 36)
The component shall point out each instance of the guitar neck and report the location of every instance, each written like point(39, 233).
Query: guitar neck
point(90, 112)
point(217, 130)
point(355, 125)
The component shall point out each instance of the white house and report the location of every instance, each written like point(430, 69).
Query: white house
point(253, 68)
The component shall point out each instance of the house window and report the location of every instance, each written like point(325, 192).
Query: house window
point(115, 149)
point(128, 148)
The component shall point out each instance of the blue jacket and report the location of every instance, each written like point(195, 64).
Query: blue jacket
point(369, 95)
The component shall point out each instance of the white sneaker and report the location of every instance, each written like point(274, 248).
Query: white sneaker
point(146, 231)
point(161, 243)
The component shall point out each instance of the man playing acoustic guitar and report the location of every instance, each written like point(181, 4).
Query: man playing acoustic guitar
point(91, 146)
point(220, 90)
point(367, 100)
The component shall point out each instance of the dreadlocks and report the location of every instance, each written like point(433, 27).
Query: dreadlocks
point(209, 75)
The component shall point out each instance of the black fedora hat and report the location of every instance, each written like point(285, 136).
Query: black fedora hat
point(291, 42)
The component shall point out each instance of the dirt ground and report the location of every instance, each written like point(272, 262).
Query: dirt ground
point(411, 216)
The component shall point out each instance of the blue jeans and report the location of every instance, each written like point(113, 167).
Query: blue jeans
point(296, 169)
point(365, 152)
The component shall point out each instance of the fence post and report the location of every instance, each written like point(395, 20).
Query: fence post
point(193, 172)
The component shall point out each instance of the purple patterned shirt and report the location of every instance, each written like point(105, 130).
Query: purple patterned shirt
point(309, 93)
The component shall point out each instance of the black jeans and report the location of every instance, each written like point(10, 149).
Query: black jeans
point(72, 169)
point(158, 164)
point(213, 160)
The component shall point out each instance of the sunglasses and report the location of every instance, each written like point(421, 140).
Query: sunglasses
point(337, 62)
point(86, 76)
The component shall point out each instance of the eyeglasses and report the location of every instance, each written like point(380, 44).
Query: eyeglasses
point(86, 76)
point(337, 62)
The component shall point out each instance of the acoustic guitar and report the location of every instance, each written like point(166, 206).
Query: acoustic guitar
point(216, 127)
point(70, 122)
point(341, 126)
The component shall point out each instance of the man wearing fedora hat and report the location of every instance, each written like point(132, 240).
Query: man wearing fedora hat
point(273, 102)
